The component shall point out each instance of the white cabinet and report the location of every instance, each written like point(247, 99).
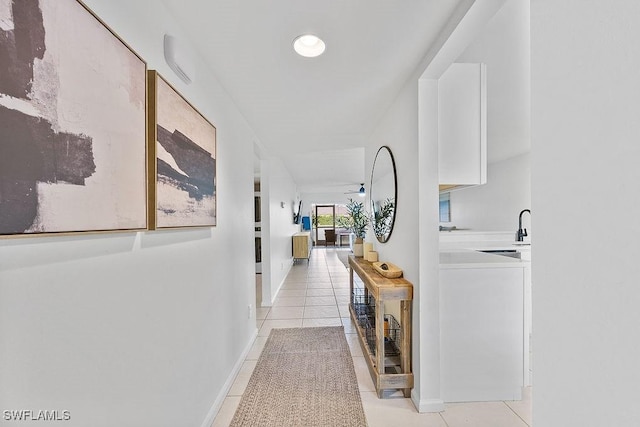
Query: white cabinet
point(462, 125)
point(481, 333)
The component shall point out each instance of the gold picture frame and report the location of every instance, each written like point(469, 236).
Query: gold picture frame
point(72, 123)
point(181, 162)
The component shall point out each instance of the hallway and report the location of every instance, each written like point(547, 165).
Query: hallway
point(317, 294)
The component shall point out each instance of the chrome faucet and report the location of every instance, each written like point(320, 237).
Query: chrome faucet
point(522, 232)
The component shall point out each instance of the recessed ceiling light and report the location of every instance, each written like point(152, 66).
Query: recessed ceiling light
point(308, 45)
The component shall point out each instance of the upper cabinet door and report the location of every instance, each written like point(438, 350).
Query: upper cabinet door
point(462, 125)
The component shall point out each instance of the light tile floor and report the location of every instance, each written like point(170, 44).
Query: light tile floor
point(317, 294)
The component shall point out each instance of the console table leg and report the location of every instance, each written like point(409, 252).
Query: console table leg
point(351, 297)
point(380, 341)
point(405, 343)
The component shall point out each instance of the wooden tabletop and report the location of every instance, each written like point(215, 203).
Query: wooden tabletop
point(381, 287)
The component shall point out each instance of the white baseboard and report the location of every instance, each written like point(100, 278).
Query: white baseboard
point(275, 294)
point(426, 405)
point(215, 408)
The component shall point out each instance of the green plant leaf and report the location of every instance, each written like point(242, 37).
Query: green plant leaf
point(357, 219)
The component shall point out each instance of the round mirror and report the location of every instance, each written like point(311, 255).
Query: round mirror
point(383, 193)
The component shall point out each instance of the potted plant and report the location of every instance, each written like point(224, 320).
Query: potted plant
point(356, 222)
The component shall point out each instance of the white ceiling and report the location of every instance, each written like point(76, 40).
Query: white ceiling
point(317, 113)
point(341, 170)
point(298, 105)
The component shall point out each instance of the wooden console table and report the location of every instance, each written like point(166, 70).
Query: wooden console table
point(378, 337)
point(301, 245)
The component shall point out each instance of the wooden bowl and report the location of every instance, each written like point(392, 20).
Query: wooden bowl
point(392, 272)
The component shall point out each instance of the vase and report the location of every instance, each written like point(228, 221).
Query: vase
point(358, 247)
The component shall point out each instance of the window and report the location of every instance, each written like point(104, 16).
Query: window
point(445, 207)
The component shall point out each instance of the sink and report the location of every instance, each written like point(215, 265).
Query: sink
point(512, 253)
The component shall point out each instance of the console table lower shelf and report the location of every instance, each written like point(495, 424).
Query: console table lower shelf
point(386, 344)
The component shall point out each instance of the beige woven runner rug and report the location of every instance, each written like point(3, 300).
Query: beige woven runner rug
point(304, 377)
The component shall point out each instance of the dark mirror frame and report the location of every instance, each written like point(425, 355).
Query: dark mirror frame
point(385, 238)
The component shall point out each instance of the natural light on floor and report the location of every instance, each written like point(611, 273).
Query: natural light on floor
point(317, 294)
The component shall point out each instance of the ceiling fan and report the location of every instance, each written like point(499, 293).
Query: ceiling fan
point(361, 192)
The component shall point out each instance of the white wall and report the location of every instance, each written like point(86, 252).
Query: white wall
point(585, 175)
point(136, 329)
point(409, 128)
point(495, 205)
point(468, 21)
point(398, 129)
point(427, 394)
point(277, 226)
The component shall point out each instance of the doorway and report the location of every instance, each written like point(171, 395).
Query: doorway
point(324, 219)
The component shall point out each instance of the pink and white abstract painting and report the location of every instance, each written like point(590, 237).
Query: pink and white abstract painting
point(72, 122)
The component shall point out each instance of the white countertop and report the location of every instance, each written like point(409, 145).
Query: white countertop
point(473, 259)
point(483, 246)
point(460, 250)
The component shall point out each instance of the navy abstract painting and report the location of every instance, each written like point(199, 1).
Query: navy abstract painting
point(186, 163)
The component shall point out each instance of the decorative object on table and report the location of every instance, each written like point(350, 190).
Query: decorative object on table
point(355, 221)
point(383, 193)
point(372, 256)
point(182, 160)
point(72, 122)
point(357, 248)
point(366, 248)
point(386, 269)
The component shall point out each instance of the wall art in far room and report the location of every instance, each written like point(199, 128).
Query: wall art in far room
point(182, 160)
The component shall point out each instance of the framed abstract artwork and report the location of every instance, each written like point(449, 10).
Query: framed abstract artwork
point(72, 122)
point(181, 162)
